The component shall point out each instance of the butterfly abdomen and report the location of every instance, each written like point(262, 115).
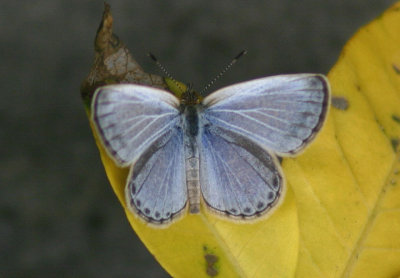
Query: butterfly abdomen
point(190, 119)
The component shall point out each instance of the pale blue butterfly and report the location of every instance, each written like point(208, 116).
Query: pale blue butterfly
point(221, 150)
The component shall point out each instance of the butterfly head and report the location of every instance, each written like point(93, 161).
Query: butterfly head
point(185, 93)
point(190, 97)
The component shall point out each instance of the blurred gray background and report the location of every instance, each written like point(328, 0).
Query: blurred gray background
point(58, 214)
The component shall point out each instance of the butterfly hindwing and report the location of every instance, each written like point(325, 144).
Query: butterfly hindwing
point(237, 177)
point(281, 113)
point(129, 118)
point(156, 184)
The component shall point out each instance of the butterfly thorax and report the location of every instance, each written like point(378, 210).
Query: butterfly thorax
point(191, 120)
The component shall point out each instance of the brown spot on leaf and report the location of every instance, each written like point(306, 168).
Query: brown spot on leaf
point(211, 260)
point(396, 68)
point(395, 143)
point(340, 103)
point(396, 118)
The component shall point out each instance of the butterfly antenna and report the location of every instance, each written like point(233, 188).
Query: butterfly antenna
point(164, 70)
point(243, 52)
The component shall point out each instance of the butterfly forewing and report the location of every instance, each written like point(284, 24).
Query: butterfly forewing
point(282, 113)
point(129, 118)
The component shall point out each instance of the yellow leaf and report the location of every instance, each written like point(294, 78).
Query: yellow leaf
point(346, 185)
point(341, 213)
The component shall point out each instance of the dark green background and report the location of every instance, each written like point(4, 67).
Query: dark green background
point(58, 214)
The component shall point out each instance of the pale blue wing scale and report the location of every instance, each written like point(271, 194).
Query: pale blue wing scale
point(156, 187)
point(281, 113)
point(129, 118)
point(237, 177)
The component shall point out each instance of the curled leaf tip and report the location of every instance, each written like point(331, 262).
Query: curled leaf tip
point(113, 62)
point(104, 33)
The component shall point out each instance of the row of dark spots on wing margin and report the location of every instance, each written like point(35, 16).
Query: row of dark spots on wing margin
point(260, 206)
point(147, 212)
